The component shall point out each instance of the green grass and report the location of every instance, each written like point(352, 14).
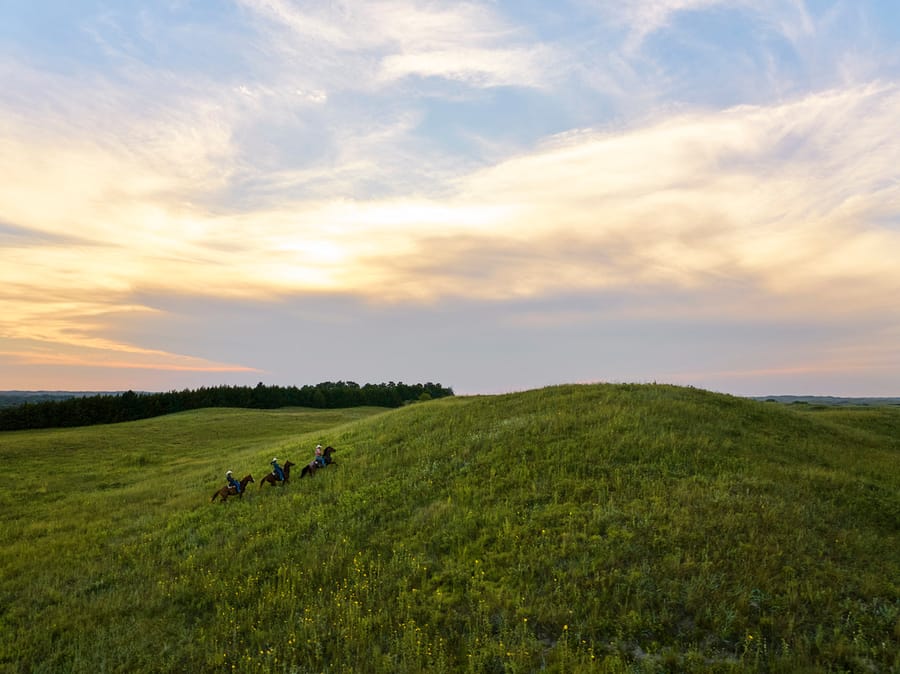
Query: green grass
point(608, 528)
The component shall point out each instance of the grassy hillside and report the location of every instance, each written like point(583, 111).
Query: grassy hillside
point(585, 528)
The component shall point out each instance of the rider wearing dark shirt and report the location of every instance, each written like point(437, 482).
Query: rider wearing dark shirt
point(276, 470)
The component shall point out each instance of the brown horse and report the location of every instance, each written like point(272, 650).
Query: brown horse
point(272, 479)
point(228, 490)
point(313, 465)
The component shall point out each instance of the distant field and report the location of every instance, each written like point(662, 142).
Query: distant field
point(15, 398)
point(830, 400)
point(607, 528)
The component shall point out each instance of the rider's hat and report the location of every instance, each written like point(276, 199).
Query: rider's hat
point(227, 472)
point(318, 446)
point(275, 460)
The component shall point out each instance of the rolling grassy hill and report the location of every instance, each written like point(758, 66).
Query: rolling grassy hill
point(604, 528)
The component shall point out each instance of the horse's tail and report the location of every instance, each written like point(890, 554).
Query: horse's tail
point(218, 493)
point(304, 472)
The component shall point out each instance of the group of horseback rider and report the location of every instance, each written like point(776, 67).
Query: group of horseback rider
point(277, 470)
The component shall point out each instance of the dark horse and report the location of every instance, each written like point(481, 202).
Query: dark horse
point(228, 490)
point(272, 479)
point(313, 465)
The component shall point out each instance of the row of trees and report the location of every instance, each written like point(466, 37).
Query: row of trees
point(129, 406)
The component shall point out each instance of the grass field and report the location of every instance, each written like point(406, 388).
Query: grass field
point(607, 528)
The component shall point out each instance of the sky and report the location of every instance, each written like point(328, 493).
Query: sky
point(494, 195)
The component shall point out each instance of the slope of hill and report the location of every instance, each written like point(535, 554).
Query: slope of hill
point(578, 528)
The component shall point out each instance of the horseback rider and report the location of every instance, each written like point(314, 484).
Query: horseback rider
point(320, 459)
point(229, 478)
point(276, 470)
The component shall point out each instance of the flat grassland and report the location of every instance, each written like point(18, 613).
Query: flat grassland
point(602, 528)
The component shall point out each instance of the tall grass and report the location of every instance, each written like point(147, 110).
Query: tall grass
point(579, 528)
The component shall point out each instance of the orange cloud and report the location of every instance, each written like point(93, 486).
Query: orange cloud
point(163, 361)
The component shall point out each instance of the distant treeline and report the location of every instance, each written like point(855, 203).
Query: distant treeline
point(129, 406)
point(15, 398)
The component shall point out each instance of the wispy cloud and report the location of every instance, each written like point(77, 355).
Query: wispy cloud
point(380, 42)
point(66, 331)
point(645, 17)
point(130, 359)
point(477, 67)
